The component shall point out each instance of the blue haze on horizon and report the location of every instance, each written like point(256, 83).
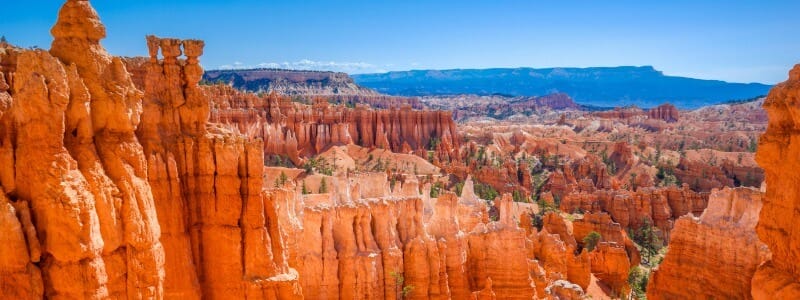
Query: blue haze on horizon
point(738, 41)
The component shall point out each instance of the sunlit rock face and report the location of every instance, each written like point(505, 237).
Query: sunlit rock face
point(779, 278)
point(714, 255)
point(126, 178)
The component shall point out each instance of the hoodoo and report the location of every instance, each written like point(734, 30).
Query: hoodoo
point(134, 178)
point(779, 277)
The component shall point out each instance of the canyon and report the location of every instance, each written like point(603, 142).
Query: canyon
point(136, 178)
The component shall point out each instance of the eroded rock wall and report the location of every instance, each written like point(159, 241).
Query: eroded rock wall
point(779, 278)
point(715, 255)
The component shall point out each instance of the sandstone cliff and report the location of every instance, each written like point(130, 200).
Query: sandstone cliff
point(715, 255)
point(96, 169)
point(300, 131)
point(779, 278)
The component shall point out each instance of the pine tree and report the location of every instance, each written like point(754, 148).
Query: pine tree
point(283, 178)
point(304, 188)
point(323, 186)
point(591, 240)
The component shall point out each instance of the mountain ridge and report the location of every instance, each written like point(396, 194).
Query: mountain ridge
point(598, 86)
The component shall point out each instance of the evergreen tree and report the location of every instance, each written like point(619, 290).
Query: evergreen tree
point(323, 186)
point(591, 240)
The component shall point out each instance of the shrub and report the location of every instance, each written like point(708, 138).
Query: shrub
point(591, 240)
point(638, 278)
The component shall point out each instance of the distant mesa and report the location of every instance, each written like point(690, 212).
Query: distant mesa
point(599, 86)
point(335, 86)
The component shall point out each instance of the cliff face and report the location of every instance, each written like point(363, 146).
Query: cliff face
point(208, 189)
point(665, 112)
point(715, 255)
point(74, 171)
point(86, 178)
point(779, 278)
point(138, 193)
point(299, 131)
point(656, 206)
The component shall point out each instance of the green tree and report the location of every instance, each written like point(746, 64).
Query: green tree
point(436, 189)
point(753, 145)
point(323, 186)
point(304, 188)
point(485, 191)
point(591, 240)
point(459, 188)
point(637, 278)
point(400, 287)
point(647, 238)
point(518, 197)
point(281, 180)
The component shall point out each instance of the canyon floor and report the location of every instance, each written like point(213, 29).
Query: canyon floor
point(133, 177)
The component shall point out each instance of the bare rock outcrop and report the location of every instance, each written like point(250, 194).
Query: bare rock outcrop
point(779, 277)
point(298, 131)
point(665, 112)
point(715, 255)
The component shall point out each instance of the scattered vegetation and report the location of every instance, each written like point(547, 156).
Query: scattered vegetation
point(319, 164)
point(436, 189)
point(638, 278)
point(281, 180)
point(304, 189)
point(401, 289)
point(323, 186)
point(485, 191)
point(591, 240)
point(648, 241)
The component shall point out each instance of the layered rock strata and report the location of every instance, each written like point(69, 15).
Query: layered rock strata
point(299, 131)
point(779, 277)
point(715, 255)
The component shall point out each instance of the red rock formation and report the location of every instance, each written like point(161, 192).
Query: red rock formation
point(497, 251)
point(608, 230)
point(300, 131)
point(665, 112)
point(21, 278)
point(611, 265)
point(94, 191)
point(486, 293)
point(620, 113)
point(657, 206)
point(194, 171)
point(779, 277)
point(715, 255)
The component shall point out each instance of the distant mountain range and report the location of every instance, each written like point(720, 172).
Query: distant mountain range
point(289, 82)
point(335, 86)
point(601, 86)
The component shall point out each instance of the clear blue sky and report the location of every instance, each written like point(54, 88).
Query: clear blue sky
point(743, 41)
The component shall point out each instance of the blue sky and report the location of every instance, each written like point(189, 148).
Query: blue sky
point(742, 41)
